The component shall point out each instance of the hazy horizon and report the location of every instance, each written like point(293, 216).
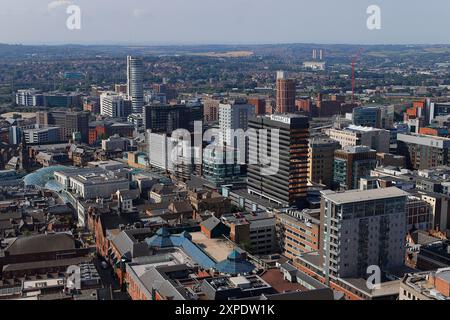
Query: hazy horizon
point(224, 22)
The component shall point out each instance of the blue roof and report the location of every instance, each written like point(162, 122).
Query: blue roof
point(235, 264)
point(42, 176)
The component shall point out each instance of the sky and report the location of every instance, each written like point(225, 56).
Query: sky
point(224, 22)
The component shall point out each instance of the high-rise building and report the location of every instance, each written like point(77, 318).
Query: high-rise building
point(115, 105)
point(351, 164)
point(320, 160)
point(167, 118)
point(288, 185)
point(362, 228)
point(69, 122)
point(234, 116)
point(135, 83)
point(285, 93)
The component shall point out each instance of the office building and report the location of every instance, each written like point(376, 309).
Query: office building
point(234, 116)
point(167, 118)
point(438, 109)
point(256, 232)
point(160, 146)
point(362, 228)
point(14, 135)
point(285, 93)
point(69, 122)
point(288, 185)
point(62, 100)
point(351, 164)
point(367, 116)
point(135, 83)
point(41, 135)
point(92, 183)
point(115, 143)
point(377, 139)
point(422, 151)
point(221, 165)
point(29, 98)
point(320, 160)
point(115, 105)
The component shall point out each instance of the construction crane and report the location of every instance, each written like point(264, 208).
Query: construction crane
point(355, 58)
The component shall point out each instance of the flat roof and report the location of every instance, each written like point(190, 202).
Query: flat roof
point(218, 249)
point(363, 195)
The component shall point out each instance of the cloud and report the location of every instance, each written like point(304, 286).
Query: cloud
point(58, 3)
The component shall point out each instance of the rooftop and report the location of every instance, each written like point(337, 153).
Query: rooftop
point(50, 242)
point(363, 195)
point(218, 249)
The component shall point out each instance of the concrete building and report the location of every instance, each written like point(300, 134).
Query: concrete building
point(114, 143)
point(29, 98)
point(367, 116)
point(438, 109)
point(14, 135)
point(422, 151)
point(418, 214)
point(167, 118)
point(286, 92)
point(69, 122)
point(320, 160)
point(41, 136)
point(159, 145)
point(62, 100)
point(234, 116)
point(255, 232)
point(220, 165)
point(288, 185)
point(360, 229)
point(114, 105)
point(92, 183)
point(351, 164)
point(377, 139)
point(439, 208)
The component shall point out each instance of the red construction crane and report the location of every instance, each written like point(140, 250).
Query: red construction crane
point(355, 58)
